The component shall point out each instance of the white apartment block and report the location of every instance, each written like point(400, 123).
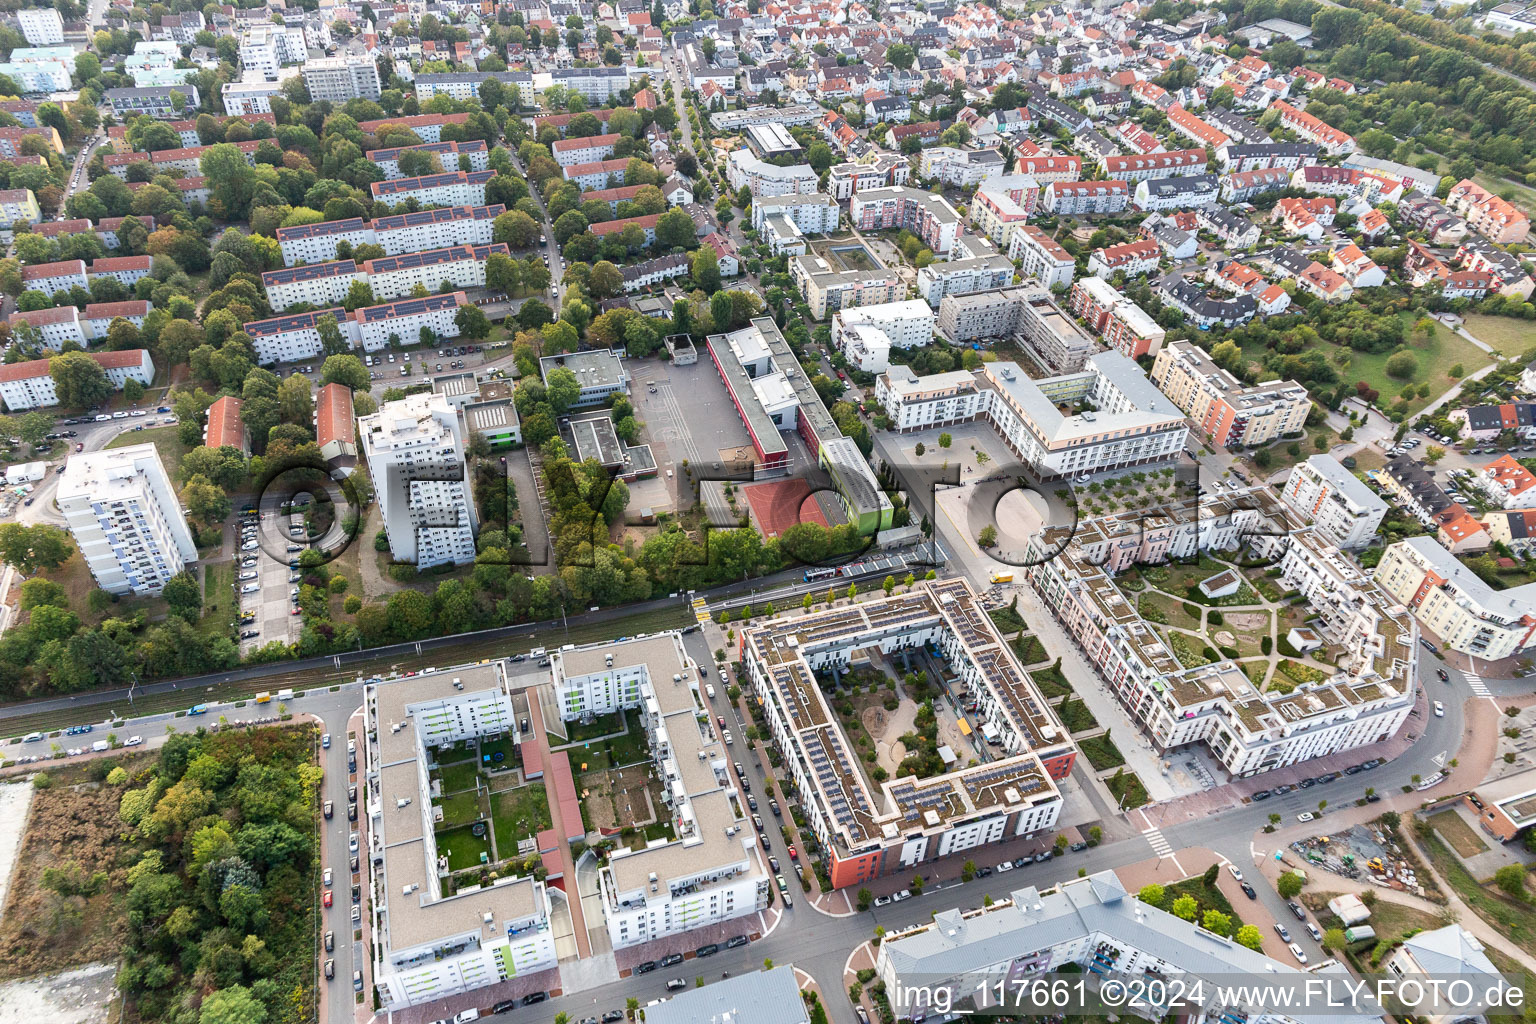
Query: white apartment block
point(53, 326)
point(988, 955)
point(1454, 603)
point(49, 278)
point(812, 214)
point(868, 829)
point(297, 336)
point(1086, 197)
point(39, 76)
point(447, 153)
point(415, 452)
point(98, 316)
point(962, 276)
point(873, 170)
point(18, 206)
point(1131, 425)
point(962, 168)
point(452, 188)
point(713, 870)
point(264, 49)
point(123, 513)
point(600, 85)
point(908, 323)
point(342, 78)
point(865, 347)
point(1001, 206)
point(321, 284)
point(744, 170)
point(396, 234)
point(572, 151)
point(1041, 257)
point(327, 284)
point(29, 385)
point(251, 95)
point(427, 944)
point(41, 26)
point(1340, 507)
point(1246, 730)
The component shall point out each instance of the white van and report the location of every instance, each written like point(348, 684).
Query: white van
point(99, 746)
point(710, 689)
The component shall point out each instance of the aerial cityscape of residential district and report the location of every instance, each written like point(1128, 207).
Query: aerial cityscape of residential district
point(938, 508)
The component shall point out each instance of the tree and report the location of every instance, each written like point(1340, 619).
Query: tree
point(1250, 936)
point(674, 230)
point(1216, 921)
point(1511, 878)
point(472, 323)
point(1433, 454)
point(605, 281)
point(234, 1005)
point(206, 501)
point(945, 440)
point(987, 537)
point(1403, 366)
point(184, 595)
point(30, 548)
point(331, 341)
point(819, 156)
point(704, 265)
point(1153, 895)
point(866, 898)
point(1289, 885)
point(79, 381)
point(900, 55)
point(1333, 939)
point(344, 369)
point(1185, 907)
point(516, 229)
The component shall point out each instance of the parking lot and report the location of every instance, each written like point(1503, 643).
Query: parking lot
point(265, 580)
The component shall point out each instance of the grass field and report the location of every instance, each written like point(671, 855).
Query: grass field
point(1513, 338)
point(1101, 752)
point(1515, 920)
point(519, 813)
point(462, 847)
point(221, 605)
point(167, 442)
point(461, 808)
point(1456, 832)
point(1127, 786)
point(459, 777)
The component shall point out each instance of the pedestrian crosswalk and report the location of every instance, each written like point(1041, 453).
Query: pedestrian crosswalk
point(1160, 846)
point(701, 610)
point(1479, 688)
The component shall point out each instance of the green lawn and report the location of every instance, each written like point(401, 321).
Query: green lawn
point(221, 605)
point(601, 725)
point(1008, 620)
point(1436, 356)
point(1101, 752)
point(1127, 785)
point(1029, 649)
point(519, 813)
point(462, 847)
point(1076, 717)
point(1052, 683)
point(1512, 338)
point(461, 809)
point(459, 776)
point(1516, 920)
point(167, 442)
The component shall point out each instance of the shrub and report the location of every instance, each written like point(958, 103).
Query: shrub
point(1266, 644)
point(1215, 618)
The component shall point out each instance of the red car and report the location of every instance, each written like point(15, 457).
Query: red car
point(793, 855)
point(721, 720)
point(326, 898)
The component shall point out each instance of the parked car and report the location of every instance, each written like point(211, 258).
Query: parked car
point(1283, 932)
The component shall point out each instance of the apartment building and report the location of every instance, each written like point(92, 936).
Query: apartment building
point(1041, 257)
point(98, 316)
point(926, 215)
point(121, 508)
point(812, 214)
point(1487, 214)
point(49, 278)
point(450, 156)
point(451, 188)
point(1089, 925)
point(866, 334)
point(1151, 166)
point(327, 284)
point(1507, 483)
point(52, 327)
point(125, 270)
point(1313, 129)
point(1342, 510)
point(321, 284)
point(1241, 186)
point(251, 95)
point(712, 870)
point(1178, 193)
point(961, 168)
point(963, 276)
point(265, 49)
point(600, 85)
point(1123, 325)
point(1453, 602)
point(744, 170)
point(297, 336)
point(18, 206)
point(225, 427)
point(466, 85)
point(29, 385)
point(341, 78)
point(11, 139)
point(41, 26)
point(1228, 412)
point(415, 452)
point(873, 170)
point(396, 234)
point(868, 829)
point(430, 942)
point(1129, 424)
point(1002, 206)
point(1130, 258)
point(827, 290)
point(1086, 197)
point(570, 151)
point(1246, 730)
point(428, 127)
point(1291, 156)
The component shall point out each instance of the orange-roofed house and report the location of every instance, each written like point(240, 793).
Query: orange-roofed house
point(1324, 283)
point(1459, 532)
point(1508, 483)
point(335, 426)
point(226, 428)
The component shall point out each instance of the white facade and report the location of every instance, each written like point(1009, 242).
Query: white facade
point(1452, 601)
point(1042, 257)
point(962, 168)
point(322, 284)
point(962, 276)
point(250, 96)
point(744, 170)
point(452, 188)
point(1341, 508)
point(125, 517)
point(907, 323)
point(29, 385)
point(41, 76)
point(264, 49)
point(42, 26)
point(429, 945)
point(339, 79)
point(396, 234)
point(53, 326)
point(415, 452)
point(812, 214)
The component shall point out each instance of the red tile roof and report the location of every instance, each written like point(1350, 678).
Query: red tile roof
point(225, 427)
point(111, 310)
point(41, 271)
point(111, 264)
point(333, 415)
point(39, 367)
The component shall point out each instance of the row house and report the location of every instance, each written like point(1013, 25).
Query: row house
point(1136, 138)
point(1303, 216)
point(1148, 166)
point(1357, 268)
point(1352, 182)
point(1234, 231)
point(1204, 311)
point(1313, 129)
point(1176, 193)
point(1241, 186)
point(1252, 156)
point(1439, 225)
point(1487, 214)
point(1191, 127)
point(1087, 197)
point(1509, 276)
point(1326, 284)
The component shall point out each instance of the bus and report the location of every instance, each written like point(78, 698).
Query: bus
point(812, 575)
